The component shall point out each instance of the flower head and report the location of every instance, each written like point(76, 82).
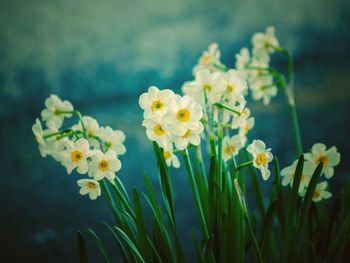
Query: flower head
point(92, 129)
point(55, 111)
point(184, 114)
point(209, 60)
point(75, 155)
point(261, 157)
point(155, 103)
point(231, 146)
point(170, 158)
point(104, 165)
point(263, 88)
point(236, 86)
point(157, 132)
point(90, 187)
point(113, 139)
point(330, 158)
point(191, 136)
point(212, 84)
point(288, 175)
point(242, 61)
point(265, 41)
point(320, 192)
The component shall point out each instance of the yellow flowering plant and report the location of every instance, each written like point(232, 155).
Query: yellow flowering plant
point(209, 126)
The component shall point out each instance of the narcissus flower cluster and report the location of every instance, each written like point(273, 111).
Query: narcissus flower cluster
point(319, 153)
point(170, 120)
point(86, 147)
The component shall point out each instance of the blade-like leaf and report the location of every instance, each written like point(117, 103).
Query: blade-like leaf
point(83, 256)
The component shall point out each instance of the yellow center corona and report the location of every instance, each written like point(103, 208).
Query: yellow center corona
point(230, 149)
point(76, 156)
point(205, 59)
point(91, 185)
point(103, 166)
point(317, 193)
point(158, 130)
point(157, 105)
point(167, 154)
point(187, 134)
point(261, 159)
point(230, 88)
point(324, 159)
point(207, 87)
point(183, 115)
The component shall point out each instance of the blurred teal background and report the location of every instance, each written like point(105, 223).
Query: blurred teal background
point(101, 55)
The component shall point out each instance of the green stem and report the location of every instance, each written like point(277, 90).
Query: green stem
point(220, 105)
point(246, 220)
point(196, 194)
point(239, 167)
point(289, 91)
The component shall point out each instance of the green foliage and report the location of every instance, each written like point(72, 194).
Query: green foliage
point(291, 228)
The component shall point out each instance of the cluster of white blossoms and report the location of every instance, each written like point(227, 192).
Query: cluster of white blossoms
point(85, 147)
point(170, 120)
point(255, 66)
point(319, 153)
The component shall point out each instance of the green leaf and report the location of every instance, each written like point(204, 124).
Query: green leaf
point(130, 244)
point(126, 253)
point(267, 225)
point(308, 197)
point(99, 244)
point(83, 256)
point(141, 228)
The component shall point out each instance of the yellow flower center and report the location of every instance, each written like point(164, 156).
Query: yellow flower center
point(230, 149)
point(167, 154)
point(103, 166)
point(207, 87)
point(324, 159)
point(261, 159)
point(183, 115)
point(230, 88)
point(317, 194)
point(76, 156)
point(157, 105)
point(246, 129)
point(187, 134)
point(205, 59)
point(158, 130)
point(91, 185)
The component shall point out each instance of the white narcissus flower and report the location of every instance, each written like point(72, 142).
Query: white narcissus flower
point(231, 146)
point(155, 103)
point(50, 146)
point(242, 61)
point(209, 59)
point(211, 83)
point(236, 86)
point(54, 105)
point(329, 158)
point(92, 129)
point(263, 88)
point(320, 192)
point(184, 114)
point(239, 120)
point(170, 158)
point(104, 165)
point(191, 136)
point(75, 156)
point(265, 41)
point(246, 126)
point(90, 187)
point(288, 175)
point(113, 139)
point(38, 132)
point(261, 157)
point(157, 132)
